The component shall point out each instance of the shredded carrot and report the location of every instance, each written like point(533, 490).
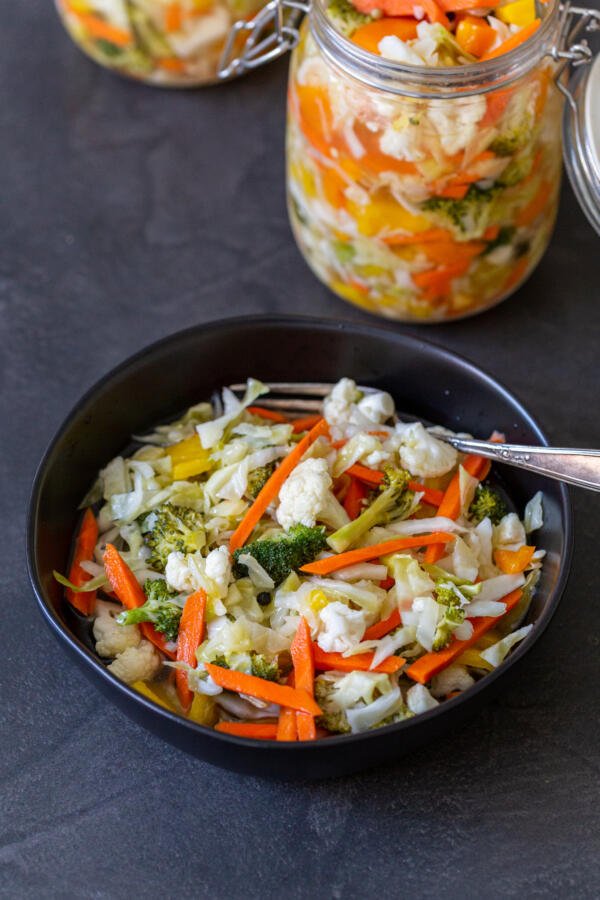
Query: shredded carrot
point(305, 423)
point(424, 668)
point(450, 505)
point(361, 662)
point(421, 237)
point(363, 473)
point(173, 17)
point(380, 629)
point(130, 594)
point(259, 731)
point(83, 601)
point(513, 561)
point(171, 64)
point(369, 36)
point(514, 40)
point(281, 694)
point(491, 232)
point(286, 724)
point(454, 191)
point(98, 28)
point(271, 414)
point(460, 5)
point(191, 629)
point(355, 496)
point(375, 477)
point(270, 491)
point(304, 677)
point(364, 554)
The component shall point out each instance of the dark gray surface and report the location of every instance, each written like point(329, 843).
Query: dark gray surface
point(130, 214)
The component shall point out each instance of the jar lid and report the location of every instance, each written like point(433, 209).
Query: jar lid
point(581, 130)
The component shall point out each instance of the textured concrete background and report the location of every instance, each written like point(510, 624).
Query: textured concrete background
point(130, 213)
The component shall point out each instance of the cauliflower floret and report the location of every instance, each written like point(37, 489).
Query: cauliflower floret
point(378, 407)
point(419, 700)
point(306, 497)
point(139, 663)
point(456, 122)
point(337, 407)
point(112, 638)
point(341, 626)
point(509, 532)
point(218, 568)
point(192, 572)
point(454, 678)
point(422, 454)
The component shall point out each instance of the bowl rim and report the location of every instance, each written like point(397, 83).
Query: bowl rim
point(298, 322)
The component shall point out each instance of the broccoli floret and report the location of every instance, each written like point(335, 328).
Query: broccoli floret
point(392, 501)
point(487, 503)
point(333, 718)
point(283, 553)
point(512, 140)
point(169, 528)
point(159, 609)
point(466, 215)
point(346, 17)
point(258, 478)
point(504, 236)
point(259, 665)
point(453, 615)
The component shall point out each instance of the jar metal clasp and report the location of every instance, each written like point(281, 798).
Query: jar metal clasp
point(271, 33)
point(571, 48)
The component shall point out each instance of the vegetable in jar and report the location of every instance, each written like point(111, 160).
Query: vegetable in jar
point(417, 190)
point(173, 43)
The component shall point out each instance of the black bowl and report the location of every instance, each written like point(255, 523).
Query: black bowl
point(161, 381)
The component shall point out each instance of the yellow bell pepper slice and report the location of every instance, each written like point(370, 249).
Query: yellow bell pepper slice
point(189, 458)
point(203, 710)
point(384, 215)
point(520, 12)
point(152, 694)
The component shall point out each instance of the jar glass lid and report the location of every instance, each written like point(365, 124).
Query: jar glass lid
point(581, 128)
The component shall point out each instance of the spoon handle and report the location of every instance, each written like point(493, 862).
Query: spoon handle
point(572, 465)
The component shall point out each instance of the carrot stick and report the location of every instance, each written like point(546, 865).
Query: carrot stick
point(270, 691)
point(98, 28)
point(361, 662)
point(304, 677)
point(271, 489)
point(380, 629)
point(286, 724)
point(375, 477)
point(191, 629)
point(84, 550)
point(305, 423)
point(173, 17)
point(450, 505)
point(130, 594)
point(513, 561)
point(266, 413)
point(353, 502)
point(514, 41)
point(363, 473)
point(364, 554)
point(259, 731)
point(424, 668)
point(459, 5)
point(430, 495)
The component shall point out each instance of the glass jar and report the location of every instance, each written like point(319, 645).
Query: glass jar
point(173, 43)
point(416, 193)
